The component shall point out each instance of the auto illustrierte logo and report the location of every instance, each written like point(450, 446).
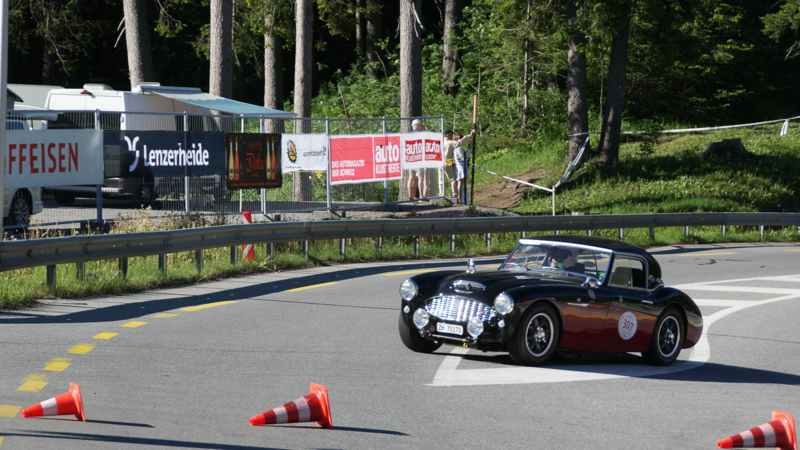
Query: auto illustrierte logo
point(291, 151)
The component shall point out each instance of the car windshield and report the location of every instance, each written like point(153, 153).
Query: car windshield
point(561, 257)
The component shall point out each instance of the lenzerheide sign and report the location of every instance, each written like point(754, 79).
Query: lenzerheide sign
point(144, 154)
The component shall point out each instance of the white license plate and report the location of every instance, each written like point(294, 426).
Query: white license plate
point(449, 328)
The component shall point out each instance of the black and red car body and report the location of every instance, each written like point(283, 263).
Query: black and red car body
point(576, 293)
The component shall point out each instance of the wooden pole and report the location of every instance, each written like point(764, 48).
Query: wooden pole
point(474, 148)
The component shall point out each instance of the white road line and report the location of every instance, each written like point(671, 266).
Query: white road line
point(742, 289)
point(449, 375)
point(726, 303)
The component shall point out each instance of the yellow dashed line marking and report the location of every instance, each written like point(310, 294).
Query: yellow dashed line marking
point(1, 439)
point(34, 382)
point(492, 266)
point(133, 324)
point(9, 411)
point(58, 364)
point(793, 250)
point(313, 286)
point(81, 349)
point(708, 254)
point(407, 272)
point(164, 315)
point(105, 336)
point(208, 305)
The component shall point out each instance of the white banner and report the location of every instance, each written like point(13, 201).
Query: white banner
point(41, 158)
point(421, 150)
point(304, 152)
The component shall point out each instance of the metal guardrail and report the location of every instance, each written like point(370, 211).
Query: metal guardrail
point(76, 249)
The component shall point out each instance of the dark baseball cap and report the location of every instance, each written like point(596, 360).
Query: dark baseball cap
point(448, 131)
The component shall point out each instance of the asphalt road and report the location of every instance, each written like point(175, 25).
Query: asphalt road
point(187, 367)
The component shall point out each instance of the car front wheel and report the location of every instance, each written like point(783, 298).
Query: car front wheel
point(667, 339)
point(414, 341)
point(536, 337)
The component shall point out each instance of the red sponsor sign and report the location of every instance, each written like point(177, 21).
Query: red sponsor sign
point(362, 159)
point(421, 150)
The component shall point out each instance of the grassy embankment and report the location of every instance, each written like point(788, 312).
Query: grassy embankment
point(650, 177)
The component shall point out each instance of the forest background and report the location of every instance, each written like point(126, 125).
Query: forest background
point(689, 62)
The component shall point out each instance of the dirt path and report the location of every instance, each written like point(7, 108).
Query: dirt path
point(506, 194)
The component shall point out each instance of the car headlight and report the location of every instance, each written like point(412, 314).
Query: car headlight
point(503, 303)
point(475, 327)
point(408, 289)
point(421, 318)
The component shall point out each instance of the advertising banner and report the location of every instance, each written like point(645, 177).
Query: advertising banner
point(421, 150)
point(304, 152)
point(362, 159)
point(41, 158)
point(144, 154)
point(254, 161)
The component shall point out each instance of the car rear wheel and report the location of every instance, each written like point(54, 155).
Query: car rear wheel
point(414, 341)
point(536, 337)
point(19, 212)
point(667, 339)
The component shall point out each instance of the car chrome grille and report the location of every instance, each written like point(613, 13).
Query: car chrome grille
point(458, 309)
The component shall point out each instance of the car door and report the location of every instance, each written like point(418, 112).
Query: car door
point(629, 323)
point(583, 310)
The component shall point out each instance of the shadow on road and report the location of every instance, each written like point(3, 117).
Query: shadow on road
point(138, 309)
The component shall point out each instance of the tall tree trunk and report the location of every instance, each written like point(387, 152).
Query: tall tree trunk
point(374, 35)
point(452, 17)
point(410, 71)
point(273, 70)
point(137, 39)
point(221, 48)
point(612, 115)
point(360, 31)
point(301, 184)
point(577, 105)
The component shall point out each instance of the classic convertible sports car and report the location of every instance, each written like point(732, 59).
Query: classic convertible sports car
point(577, 293)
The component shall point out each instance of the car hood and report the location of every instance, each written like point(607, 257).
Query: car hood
point(486, 285)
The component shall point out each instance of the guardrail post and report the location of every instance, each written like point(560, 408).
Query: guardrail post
point(686, 231)
point(162, 264)
point(723, 231)
point(488, 241)
point(380, 245)
point(304, 249)
point(588, 232)
point(342, 248)
point(271, 251)
point(416, 245)
point(453, 243)
point(522, 235)
point(123, 267)
point(234, 255)
point(761, 232)
point(652, 233)
point(198, 260)
point(80, 269)
point(51, 277)
point(621, 234)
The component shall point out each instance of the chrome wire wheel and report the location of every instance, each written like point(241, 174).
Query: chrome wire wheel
point(539, 334)
point(669, 334)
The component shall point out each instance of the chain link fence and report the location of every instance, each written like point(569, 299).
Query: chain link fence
point(120, 196)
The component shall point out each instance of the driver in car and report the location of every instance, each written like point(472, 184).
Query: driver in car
point(567, 259)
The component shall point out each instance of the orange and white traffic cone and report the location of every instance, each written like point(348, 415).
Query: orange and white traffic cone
point(67, 403)
point(247, 250)
point(778, 433)
point(313, 407)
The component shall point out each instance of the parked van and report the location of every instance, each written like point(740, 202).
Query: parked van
point(147, 107)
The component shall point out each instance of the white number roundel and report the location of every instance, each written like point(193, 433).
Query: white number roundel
point(627, 325)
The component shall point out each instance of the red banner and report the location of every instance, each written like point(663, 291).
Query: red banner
point(362, 159)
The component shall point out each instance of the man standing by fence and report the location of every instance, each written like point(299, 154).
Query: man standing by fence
point(448, 155)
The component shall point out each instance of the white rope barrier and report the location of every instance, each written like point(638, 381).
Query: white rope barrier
point(697, 130)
